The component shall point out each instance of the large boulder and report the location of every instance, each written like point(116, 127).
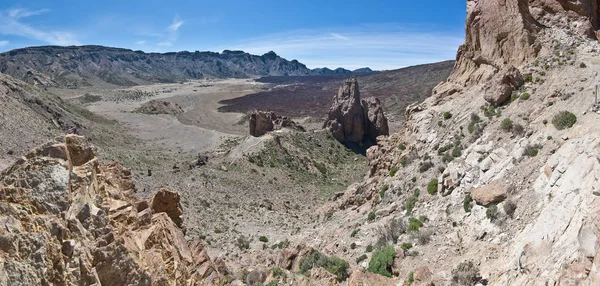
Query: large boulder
point(352, 120)
point(492, 193)
point(502, 86)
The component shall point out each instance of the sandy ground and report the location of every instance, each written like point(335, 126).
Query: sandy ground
point(200, 128)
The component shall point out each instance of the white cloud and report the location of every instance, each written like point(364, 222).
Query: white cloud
point(175, 25)
point(376, 46)
point(140, 43)
point(11, 24)
point(4, 43)
point(164, 44)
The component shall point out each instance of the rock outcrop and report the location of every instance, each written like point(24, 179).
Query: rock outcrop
point(159, 107)
point(261, 122)
point(352, 120)
point(69, 220)
point(500, 34)
point(492, 193)
point(502, 85)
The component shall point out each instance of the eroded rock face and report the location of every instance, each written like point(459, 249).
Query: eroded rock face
point(500, 34)
point(261, 122)
point(354, 121)
point(100, 235)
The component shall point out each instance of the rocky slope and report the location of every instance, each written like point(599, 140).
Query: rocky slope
point(70, 220)
point(479, 191)
point(96, 65)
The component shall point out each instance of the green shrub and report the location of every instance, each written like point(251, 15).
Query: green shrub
point(273, 283)
point(432, 187)
point(423, 218)
point(525, 96)
point(414, 225)
point(475, 117)
point(564, 119)
point(371, 215)
point(410, 204)
point(411, 278)
point(441, 169)
point(383, 190)
point(506, 124)
point(456, 152)
point(393, 171)
point(528, 78)
point(402, 147)
point(492, 212)
point(447, 115)
point(468, 203)
point(447, 158)
point(403, 161)
point(354, 232)
point(425, 166)
point(263, 238)
point(382, 260)
point(531, 151)
point(549, 137)
point(413, 179)
point(417, 193)
point(442, 149)
point(518, 129)
point(218, 230)
point(406, 246)
point(369, 248)
point(277, 271)
point(334, 265)
point(361, 258)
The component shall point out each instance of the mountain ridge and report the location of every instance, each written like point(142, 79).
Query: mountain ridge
point(76, 66)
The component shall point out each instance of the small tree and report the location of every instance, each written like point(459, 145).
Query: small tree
point(564, 119)
point(382, 260)
point(432, 187)
point(506, 124)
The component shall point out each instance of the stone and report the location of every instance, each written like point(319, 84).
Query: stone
point(422, 273)
point(351, 120)
point(492, 193)
point(167, 201)
point(502, 86)
point(261, 122)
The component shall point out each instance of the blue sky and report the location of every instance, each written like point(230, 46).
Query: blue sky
point(351, 34)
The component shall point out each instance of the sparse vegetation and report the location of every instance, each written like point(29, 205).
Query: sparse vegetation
point(354, 232)
point(263, 238)
point(492, 212)
point(564, 119)
point(447, 115)
point(361, 258)
point(410, 203)
point(456, 152)
point(371, 215)
point(403, 161)
point(414, 225)
point(468, 203)
point(509, 208)
point(369, 248)
point(506, 124)
point(393, 171)
point(531, 150)
point(432, 187)
point(242, 243)
point(383, 190)
point(425, 166)
point(382, 260)
point(334, 265)
point(524, 96)
point(466, 273)
point(518, 129)
point(528, 78)
point(406, 246)
point(401, 146)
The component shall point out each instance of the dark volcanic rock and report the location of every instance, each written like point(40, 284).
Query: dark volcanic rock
point(354, 121)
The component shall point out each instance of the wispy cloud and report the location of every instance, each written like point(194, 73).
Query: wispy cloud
point(170, 37)
point(11, 24)
point(376, 46)
point(140, 43)
point(4, 43)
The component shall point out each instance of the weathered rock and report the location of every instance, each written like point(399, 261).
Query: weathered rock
point(492, 193)
point(109, 242)
point(261, 122)
point(422, 274)
point(351, 120)
point(501, 87)
point(168, 202)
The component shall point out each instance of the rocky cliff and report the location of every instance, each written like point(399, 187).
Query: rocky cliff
point(93, 65)
point(355, 121)
point(501, 34)
point(70, 220)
